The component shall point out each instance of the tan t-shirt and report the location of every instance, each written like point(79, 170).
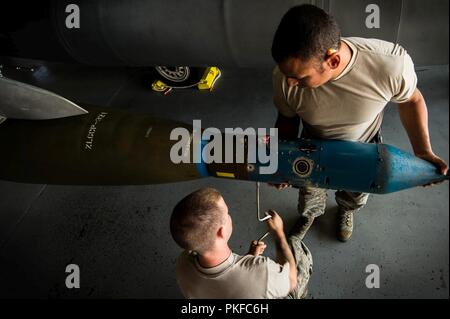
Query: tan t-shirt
point(238, 277)
point(351, 106)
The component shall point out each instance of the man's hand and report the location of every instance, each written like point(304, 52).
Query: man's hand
point(257, 248)
point(437, 161)
point(275, 224)
point(280, 186)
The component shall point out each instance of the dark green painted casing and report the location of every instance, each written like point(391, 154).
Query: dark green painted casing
point(99, 148)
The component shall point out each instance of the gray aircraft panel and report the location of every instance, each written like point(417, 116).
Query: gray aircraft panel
point(27, 102)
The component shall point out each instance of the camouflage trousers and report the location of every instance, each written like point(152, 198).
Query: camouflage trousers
point(303, 259)
point(312, 201)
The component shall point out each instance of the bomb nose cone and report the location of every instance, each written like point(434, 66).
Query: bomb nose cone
point(401, 170)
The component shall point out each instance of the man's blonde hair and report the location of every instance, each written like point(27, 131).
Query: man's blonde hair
point(196, 219)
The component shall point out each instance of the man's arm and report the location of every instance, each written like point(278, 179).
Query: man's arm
point(284, 252)
point(414, 117)
point(287, 126)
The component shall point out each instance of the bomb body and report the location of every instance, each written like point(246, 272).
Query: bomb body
point(106, 147)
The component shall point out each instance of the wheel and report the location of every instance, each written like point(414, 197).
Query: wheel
point(174, 74)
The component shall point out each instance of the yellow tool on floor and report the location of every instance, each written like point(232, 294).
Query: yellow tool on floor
point(211, 75)
point(159, 86)
point(207, 82)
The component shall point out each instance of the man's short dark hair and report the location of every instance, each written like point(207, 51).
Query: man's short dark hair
point(195, 220)
point(305, 32)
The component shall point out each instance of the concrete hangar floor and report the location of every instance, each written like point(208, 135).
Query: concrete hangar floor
point(119, 236)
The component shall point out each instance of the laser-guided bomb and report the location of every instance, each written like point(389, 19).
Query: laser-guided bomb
point(95, 146)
